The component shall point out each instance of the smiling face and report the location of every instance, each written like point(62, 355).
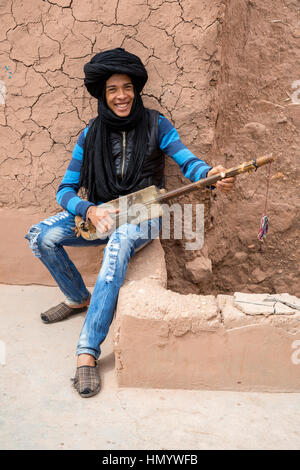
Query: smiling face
point(119, 94)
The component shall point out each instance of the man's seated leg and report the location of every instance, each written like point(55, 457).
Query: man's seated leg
point(120, 248)
point(46, 241)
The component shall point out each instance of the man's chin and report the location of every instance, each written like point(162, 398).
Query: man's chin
point(122, 114)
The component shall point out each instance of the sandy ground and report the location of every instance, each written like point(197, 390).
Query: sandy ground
point(41, 410)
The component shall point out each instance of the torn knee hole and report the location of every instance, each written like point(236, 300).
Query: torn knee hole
point(32, 236)
point(114, 249)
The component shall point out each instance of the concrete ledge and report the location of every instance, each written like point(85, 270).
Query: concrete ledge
point(163, 339)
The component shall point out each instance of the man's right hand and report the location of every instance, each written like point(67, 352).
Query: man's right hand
point(100, 217)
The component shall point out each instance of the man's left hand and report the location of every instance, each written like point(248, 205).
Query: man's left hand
point(225, 184)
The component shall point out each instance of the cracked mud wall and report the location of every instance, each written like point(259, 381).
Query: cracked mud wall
point(214, 68)
point(43, 47)
point(257, 110)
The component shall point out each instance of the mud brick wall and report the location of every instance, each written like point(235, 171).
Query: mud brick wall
point(257, 109)
point(45, 45)
point(222, 72)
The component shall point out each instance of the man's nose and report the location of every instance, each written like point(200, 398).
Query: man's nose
point(121, 93)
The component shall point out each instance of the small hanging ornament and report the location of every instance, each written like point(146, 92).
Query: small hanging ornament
point(264, 222)
point(263, 228)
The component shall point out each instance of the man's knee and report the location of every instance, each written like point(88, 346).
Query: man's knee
point(122, 239)
point(47, 234)
point(33, 236)
point(42, 237)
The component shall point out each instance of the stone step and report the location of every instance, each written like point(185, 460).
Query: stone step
point(163, 339)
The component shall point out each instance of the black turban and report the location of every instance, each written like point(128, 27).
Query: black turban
point(98, 173)
point(107, 63)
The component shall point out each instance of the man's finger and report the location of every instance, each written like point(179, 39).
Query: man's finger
point(227, 181)
point(100, 227)
point(103, 226)
point(224, 186)
point(108, 219)
point(219, 168)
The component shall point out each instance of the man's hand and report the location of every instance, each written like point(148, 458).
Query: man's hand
point(100, 218)
point(226, 184)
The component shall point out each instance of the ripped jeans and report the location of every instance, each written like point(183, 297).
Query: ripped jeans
point(47, 240)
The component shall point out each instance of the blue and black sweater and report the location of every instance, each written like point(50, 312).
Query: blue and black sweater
point(169, 142)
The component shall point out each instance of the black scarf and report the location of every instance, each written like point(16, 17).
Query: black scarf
point(98, 174)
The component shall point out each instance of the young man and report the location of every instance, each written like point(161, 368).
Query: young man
point(121, 151)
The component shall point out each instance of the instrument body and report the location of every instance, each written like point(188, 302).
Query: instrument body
point(134, 208)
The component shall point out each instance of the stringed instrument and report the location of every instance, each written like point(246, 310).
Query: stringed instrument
point(146, 203)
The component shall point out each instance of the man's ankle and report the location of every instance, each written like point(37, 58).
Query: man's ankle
point(71, 305)
point(85, 360)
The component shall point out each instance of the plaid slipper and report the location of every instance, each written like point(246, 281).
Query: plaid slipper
point(87, 381)
point(60, 312)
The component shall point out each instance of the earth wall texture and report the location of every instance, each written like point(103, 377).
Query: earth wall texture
point(225, 73)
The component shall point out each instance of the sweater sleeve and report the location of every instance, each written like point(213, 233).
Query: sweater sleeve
point(66, 195)
point(170, 143)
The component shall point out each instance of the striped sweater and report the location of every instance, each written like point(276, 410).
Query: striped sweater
point(169, 142)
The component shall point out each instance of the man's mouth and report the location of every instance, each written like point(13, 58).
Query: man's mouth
point(122, 106)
